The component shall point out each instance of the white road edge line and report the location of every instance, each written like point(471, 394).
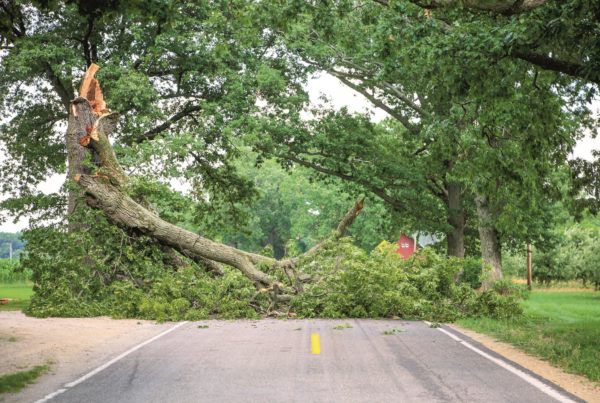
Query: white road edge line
point(107, 364)
point(547, 389)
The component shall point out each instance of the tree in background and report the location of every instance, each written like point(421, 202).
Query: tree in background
point(570, 254)
point(292, 211)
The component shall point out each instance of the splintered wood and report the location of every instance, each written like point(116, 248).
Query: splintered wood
point(90, 90)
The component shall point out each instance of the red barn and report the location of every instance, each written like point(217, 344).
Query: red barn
point(406, 246)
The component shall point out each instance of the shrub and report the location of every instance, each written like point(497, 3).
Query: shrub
point(507, 287)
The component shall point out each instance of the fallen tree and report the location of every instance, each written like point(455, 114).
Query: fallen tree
point(115, 262)
point(95, 168)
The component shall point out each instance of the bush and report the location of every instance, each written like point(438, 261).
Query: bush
point(507, 287)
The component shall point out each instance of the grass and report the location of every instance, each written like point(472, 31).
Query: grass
point(561, 327)
point(343, 326)
point(20, 292)
point(17, 381)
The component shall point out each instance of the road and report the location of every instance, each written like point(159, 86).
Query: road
point(280, 361)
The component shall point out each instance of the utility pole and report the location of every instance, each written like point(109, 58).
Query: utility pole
point(529, 271)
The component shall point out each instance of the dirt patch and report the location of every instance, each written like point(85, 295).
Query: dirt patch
point(25, 341)
point(566, 289)
point(575, 384)
point(73, 346)
point(567, 286)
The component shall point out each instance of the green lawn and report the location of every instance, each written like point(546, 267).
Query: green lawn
point(561, 327)
point(20, 292)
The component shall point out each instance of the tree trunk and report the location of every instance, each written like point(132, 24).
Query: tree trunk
point(76, 163)
point(491, 248)
point(79, 158)
point(456, 219)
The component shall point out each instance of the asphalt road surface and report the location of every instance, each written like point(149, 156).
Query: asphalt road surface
point(310, 361)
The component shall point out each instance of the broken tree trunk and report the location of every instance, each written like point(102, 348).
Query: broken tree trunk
point(103, 190)
point(77, 155)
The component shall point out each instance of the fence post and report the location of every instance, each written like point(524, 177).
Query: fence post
point(529, 271)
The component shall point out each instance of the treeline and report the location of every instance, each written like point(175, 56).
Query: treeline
point(570, 253)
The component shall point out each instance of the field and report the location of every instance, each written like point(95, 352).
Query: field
point(19, 292)
point(560, 326)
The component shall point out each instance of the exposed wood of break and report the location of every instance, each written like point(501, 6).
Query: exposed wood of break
point(90, 90)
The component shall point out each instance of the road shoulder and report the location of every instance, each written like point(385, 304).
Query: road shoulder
point(574, 384)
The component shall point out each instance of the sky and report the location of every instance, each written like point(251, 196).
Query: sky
point(340, 96)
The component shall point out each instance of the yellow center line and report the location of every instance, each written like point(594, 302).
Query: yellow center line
point(315, 343)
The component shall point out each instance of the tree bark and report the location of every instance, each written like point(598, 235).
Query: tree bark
point(491, 248)
point(77, 155)
point(456, 219)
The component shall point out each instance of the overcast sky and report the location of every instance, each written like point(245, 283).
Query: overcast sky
point(340, 96)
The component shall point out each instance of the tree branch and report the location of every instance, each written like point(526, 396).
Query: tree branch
point(65, 94)
point(87, 48)
point(405, 99)
point(504, 7)
point(509, 7)
point(402, 119)
point(379, 192)
point(152, 133)
point(340, 231)
point(102, 191)
point(548, 63)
